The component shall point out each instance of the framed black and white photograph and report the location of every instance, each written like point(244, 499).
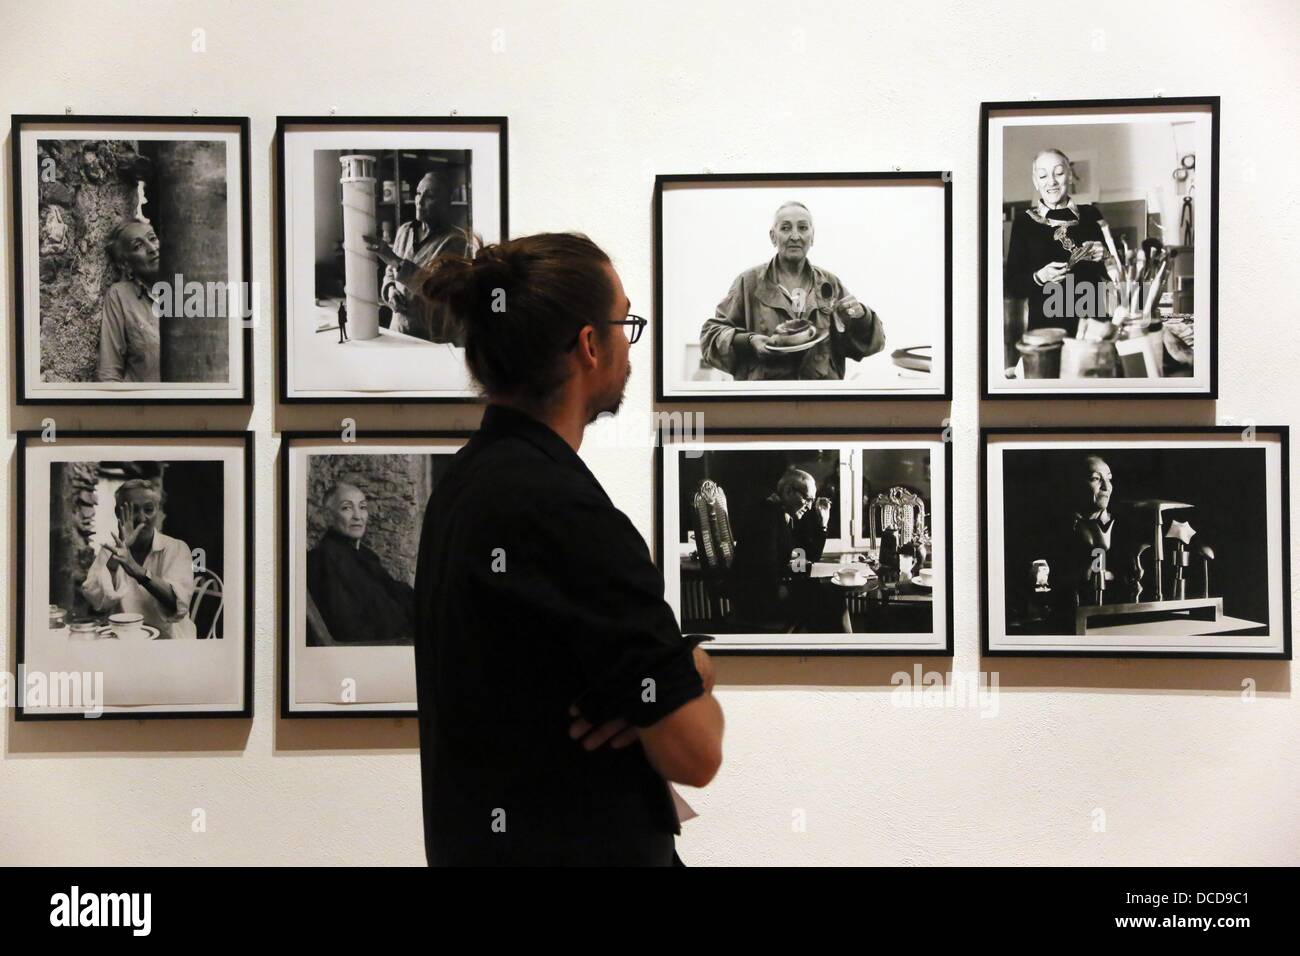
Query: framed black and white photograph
point(350, 520)
point(132, 262)
point(366, 205)
point(135, 574)
point(1136, 542)
point(803, 286)
point(809, 541)
point(1099, 248)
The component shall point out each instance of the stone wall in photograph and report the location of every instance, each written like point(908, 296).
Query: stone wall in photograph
point(85, 188)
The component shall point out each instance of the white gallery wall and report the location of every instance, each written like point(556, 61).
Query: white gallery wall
point(1073, 761)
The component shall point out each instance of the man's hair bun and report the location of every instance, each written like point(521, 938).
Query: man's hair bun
point(519, 302)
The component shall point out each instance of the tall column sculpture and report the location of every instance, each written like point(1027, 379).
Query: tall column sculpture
point(360, 267)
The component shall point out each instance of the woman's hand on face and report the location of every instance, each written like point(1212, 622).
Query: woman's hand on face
point(1052, 272)
point(129, 526)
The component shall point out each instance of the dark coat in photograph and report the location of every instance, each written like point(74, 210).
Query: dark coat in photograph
point(763, 554)
point(1038, 238)
point(358, 601)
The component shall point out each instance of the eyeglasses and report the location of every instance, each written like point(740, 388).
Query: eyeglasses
point(633, 326)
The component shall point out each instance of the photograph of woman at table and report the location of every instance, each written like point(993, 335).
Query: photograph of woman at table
point(142, 570)
point(776, 547)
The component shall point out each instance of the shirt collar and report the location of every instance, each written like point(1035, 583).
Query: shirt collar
point(806, 271)
point(1044, 209)
point(143, 291)
point(158, 542)
point(501, 420)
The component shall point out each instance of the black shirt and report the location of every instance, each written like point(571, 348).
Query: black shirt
point(1036, 243)
point(534, 592)
point(763, 555)
point(359, 602)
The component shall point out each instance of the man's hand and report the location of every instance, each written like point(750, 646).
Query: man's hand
point(824, 509)
point(617, 733)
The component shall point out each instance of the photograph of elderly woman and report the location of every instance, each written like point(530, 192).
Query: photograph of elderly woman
point(772, 541)
point(1105, 541)
point(382, 215)
point(802, 285)
point(137, 549)
point(1103, 272)
point(364, 514)
point(134, 261)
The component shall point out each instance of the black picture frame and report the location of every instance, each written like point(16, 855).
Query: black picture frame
point(900, 176)
point(1211, 103)
point(991, 432)
point(283, 125)
point(20, 120)
point(246, 438)
point(663, 548)
point(285, 625)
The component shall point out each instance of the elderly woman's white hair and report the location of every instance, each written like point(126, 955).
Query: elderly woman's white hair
point(1051, 151)
point(137, 484)
point(787, 205)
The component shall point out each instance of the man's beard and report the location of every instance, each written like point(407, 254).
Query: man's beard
point(611, 404)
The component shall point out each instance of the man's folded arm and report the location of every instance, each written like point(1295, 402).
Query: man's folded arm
point(610, 613)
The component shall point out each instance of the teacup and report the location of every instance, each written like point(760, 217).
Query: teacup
point(83, 631)
point(850, 576)
point(128, 627)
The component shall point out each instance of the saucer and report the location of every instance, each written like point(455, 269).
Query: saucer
point(801, 347)
point(150, 634)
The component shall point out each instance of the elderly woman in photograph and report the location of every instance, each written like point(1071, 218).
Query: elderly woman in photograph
point(787, 301)
point(407, 261)
point(354, 600)
point(143, 571)
point(1054, 238)
point(129, 345)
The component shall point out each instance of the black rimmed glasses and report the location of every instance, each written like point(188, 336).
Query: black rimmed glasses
point(633, 326)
